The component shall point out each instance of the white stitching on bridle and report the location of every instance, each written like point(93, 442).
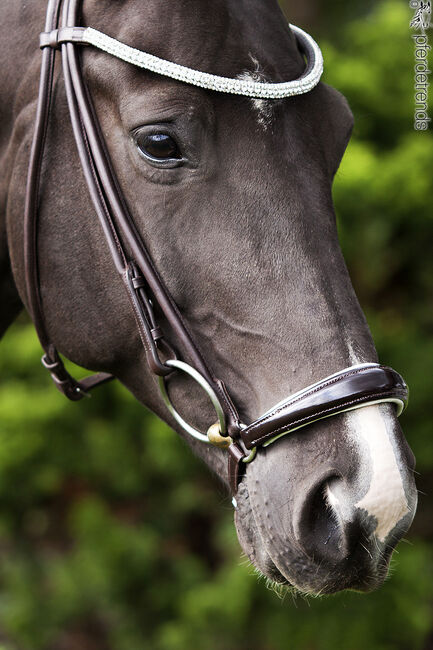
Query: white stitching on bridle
point(244, 87)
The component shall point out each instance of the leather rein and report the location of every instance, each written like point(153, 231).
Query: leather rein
point(350, 388)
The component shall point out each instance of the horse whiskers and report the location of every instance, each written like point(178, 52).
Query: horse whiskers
point(244, 560)
point(406, 541)
point(279, 589)
point(366, 550)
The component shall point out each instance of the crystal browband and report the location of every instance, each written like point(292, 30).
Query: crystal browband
point(248, 88)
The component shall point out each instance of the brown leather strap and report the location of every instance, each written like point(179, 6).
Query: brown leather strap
point(66, 384)
point(32, 188)
point(51, 360)
point(236, 466)
point(351, 389)
point(334, 395)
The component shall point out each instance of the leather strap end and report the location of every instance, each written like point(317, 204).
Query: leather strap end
point(67, 385)
point(235, 466)
point(93, 381)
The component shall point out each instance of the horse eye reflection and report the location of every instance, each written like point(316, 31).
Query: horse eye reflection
point(158, 146)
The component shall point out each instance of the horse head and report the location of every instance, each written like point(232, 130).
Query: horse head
point(232, 196)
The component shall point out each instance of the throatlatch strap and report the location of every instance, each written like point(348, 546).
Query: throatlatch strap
point(73, 389)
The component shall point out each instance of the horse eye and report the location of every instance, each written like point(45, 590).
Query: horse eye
point(159, 146)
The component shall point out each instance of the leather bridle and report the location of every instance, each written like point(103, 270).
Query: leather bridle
point(350, 388)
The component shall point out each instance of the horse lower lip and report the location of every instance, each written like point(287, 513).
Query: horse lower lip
point(274, 574)
point(364, 575)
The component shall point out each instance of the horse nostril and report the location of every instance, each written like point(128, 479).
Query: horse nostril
point(331, 529)
point(320, 528)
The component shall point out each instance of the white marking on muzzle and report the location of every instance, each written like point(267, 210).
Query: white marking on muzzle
point(385, 498)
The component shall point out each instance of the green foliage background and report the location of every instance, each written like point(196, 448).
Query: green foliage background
point(106, 543)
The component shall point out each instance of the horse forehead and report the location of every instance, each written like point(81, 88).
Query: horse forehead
point(220, 37)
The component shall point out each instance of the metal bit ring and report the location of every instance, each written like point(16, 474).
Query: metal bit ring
point(204, 384)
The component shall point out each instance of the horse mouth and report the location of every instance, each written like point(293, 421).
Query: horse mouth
point(277, 582)
point(367, 578)
point(274, 578)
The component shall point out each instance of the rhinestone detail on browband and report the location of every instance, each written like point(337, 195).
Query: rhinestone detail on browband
point(244, 87)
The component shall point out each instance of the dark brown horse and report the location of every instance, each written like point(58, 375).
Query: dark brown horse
point(242, 232)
